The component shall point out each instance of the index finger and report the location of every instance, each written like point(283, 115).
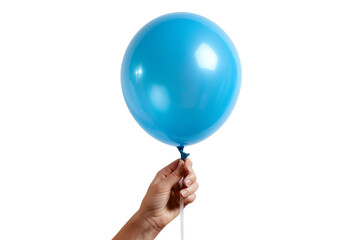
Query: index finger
point(166, 171)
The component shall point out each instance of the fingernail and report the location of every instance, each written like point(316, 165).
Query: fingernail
point(189, 168)
point(184, 193)
point(188, 183)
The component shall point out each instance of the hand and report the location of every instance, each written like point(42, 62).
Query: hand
point(161, 203)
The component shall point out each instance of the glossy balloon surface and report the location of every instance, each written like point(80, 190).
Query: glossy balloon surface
point(181, 78)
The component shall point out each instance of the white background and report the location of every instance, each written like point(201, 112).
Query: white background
point(75, 165)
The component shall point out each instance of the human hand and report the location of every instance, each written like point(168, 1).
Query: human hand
point(161, 203)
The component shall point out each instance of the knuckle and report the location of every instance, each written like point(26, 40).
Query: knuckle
point(157, 186)
point(192, 197)
point(189, 161)
point(172, 176)
point(191, 177)
point(194, 177)
point(158, 174)
point(196, 186)
point(154, 185)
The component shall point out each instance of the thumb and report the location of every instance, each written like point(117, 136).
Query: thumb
point(176, 175)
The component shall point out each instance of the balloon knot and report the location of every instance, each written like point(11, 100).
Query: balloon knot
point(183, 154)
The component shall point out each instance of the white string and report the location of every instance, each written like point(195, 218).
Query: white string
point(181, 211)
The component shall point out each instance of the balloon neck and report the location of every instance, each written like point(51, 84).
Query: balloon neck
point(183, 154)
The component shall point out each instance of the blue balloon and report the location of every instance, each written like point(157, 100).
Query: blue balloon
point(181, 78)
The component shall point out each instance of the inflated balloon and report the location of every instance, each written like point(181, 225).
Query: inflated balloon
point(181, 78)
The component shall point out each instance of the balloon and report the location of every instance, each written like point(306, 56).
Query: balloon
point(181, 78)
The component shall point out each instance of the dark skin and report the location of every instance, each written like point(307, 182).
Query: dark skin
point(161, 203)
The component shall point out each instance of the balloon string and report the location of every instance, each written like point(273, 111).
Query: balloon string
point(181, 211)
point(183, 157)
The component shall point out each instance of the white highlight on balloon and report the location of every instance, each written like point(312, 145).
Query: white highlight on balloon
point(159, 97)
point(139, 71)
point(206, 57)
point(138, 74)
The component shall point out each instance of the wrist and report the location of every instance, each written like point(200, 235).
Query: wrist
point(139, 227)
point(144, 222)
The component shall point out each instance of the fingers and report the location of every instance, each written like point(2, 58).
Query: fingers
point(175, 176)
point(171, 174)
point(189, 190)
point(188, 165)
point(190, 184)
point(190, 179)
point(166, 171)
point(189, 199)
